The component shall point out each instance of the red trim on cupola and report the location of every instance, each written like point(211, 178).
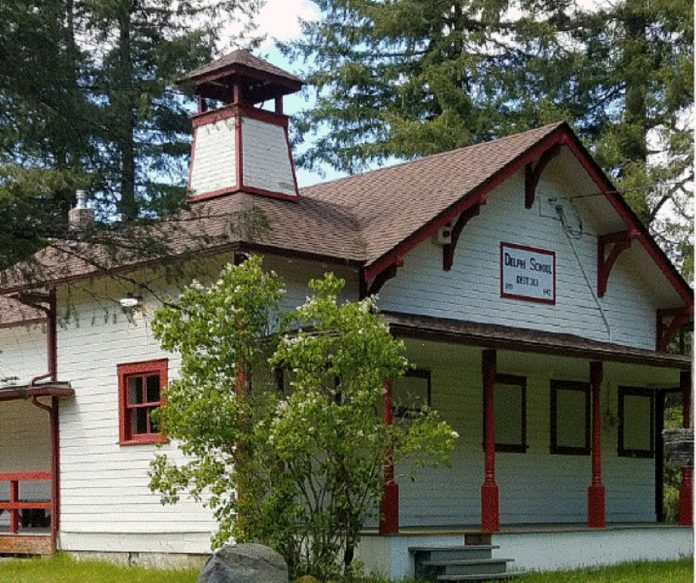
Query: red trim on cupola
point(239, 112)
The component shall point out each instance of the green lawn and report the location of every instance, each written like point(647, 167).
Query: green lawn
point(61, 569)
point(644, 572)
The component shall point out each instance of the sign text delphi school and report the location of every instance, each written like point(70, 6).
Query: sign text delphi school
point(527, 273)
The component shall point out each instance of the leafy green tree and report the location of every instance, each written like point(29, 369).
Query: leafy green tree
point(296, 465)
point(408, 78)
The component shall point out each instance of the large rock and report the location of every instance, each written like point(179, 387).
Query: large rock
point(245, 563)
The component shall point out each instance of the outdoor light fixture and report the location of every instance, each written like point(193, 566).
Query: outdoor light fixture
point(130, 302)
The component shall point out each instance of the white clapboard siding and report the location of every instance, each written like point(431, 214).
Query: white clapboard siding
point(22, 354)
point(214, 161)
point(104, 485)
point(266, 159)
point(535, 486)
point(471, 290)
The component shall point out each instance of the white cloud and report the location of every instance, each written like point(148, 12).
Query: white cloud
point(279, 19)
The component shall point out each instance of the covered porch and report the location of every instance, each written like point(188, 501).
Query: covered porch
point(29, 467)
point(540, 547)
point(555, 431)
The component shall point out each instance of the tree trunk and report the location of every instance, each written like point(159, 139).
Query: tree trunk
point(636, 58)
point(126, 116)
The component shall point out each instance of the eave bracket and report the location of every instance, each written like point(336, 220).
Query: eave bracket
point(615, 244)
point(668, 324)
point(532, 174)
point(449, 248)
point(380, 279)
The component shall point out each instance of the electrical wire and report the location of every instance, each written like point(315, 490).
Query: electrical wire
point(566, 231)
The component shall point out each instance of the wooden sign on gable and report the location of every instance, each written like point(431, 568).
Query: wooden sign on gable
point(527, 273)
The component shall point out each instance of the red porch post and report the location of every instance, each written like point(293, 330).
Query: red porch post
point(595, 492)
point(686, 517)
point(389, 506)
point(490, 513)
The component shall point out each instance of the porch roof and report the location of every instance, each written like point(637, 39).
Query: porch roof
point(525, 340)
point(53, 389)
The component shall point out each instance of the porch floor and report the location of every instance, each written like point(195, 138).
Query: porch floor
point(472, 529)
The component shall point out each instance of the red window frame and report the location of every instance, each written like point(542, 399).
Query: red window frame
point(139, 369)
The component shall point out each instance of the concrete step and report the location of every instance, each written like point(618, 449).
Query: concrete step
point(463, 552)
point(467, 567)
point(483, 577)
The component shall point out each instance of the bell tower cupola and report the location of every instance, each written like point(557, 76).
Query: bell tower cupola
point(237, 145)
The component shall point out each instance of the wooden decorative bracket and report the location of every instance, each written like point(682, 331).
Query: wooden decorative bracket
point(533, 172)
point(449, 248)
point(619, 241)
point(668, 324)
point(382, 277)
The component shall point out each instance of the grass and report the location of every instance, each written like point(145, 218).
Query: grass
point(62, 569)
point(681, 571)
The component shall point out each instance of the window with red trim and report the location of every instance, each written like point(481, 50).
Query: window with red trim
point(140, 390)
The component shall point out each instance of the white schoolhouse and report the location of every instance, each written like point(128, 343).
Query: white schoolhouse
point(537, 310)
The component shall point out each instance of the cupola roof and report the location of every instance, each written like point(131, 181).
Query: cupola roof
point(260, 79)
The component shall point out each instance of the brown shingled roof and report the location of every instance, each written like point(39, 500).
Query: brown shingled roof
point(13, 312)
point(243, 59)
point(391, 203)
point(356, 220)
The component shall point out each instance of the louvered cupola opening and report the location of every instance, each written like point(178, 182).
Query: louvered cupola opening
point(240, 147)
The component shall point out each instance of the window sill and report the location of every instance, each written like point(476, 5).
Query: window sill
point(145, 440)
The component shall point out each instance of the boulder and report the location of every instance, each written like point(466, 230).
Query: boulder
point(244, 563)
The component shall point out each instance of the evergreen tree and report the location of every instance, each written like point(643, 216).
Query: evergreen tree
point(406, 78)
point(86, 101)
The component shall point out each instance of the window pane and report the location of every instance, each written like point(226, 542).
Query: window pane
point(139, 420)
point(570, 418)
point(636, 428)
point(508, 414)
point(153, 389)
point(410, 394)
point(135, 393)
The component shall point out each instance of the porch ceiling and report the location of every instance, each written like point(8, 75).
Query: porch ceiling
point(524, 340)
point(54, 389)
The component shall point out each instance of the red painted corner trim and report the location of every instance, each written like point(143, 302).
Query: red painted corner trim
point(270, 193)
point(191, 161)
point(214, 194)
point(213, 115)
point(292, 162)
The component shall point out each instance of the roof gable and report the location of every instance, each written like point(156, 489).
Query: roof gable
point(399, 207)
